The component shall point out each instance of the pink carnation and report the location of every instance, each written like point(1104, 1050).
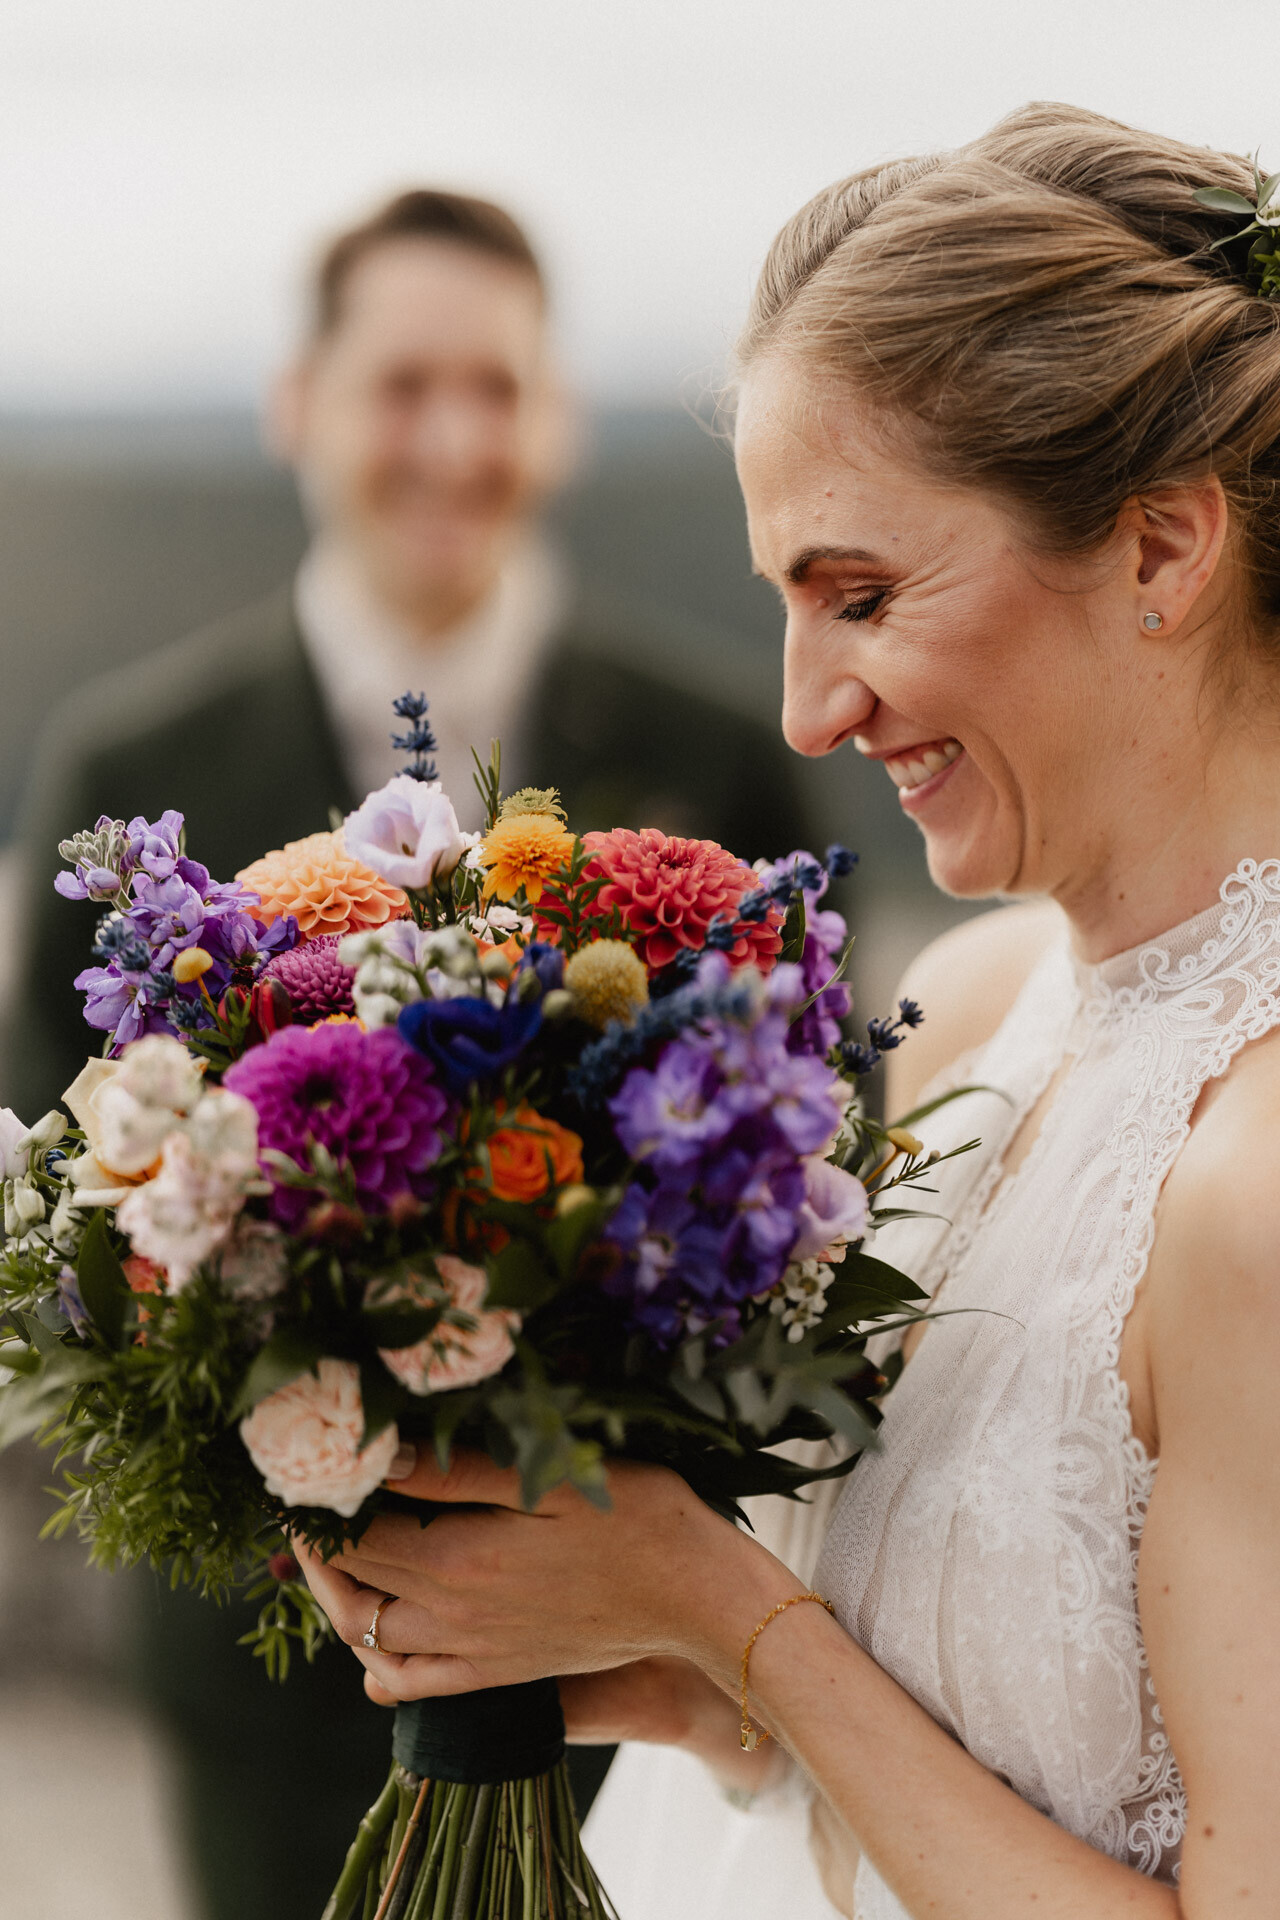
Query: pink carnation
point(669, 891)
point(304, 1440)
point(456, 1356)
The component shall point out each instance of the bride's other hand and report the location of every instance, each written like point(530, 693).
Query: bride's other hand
point(488, 1594)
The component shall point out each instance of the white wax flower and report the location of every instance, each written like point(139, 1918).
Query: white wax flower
point(453, 1356)
point(834, 1211)
point(407, 832)
point(304, 1440)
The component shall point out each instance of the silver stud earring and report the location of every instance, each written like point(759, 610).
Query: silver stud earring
point(1153, 622)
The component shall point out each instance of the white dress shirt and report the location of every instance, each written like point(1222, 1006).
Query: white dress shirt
point(477, 677)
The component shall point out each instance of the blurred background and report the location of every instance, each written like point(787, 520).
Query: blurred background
point(166, 177)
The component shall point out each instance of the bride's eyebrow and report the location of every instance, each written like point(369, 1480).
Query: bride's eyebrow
point(798, 570)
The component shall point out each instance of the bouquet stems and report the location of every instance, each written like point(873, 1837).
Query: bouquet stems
point(452, 1850)
point(476, 1821)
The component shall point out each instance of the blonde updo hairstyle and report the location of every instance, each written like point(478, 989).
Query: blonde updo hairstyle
point(1040, 310)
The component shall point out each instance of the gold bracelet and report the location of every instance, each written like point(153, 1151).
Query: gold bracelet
point(752, 1737)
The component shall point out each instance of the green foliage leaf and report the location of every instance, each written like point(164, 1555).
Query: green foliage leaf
point(1222, 200)
point(383, 1398)
point(519, 1277)
point(401, 1326)
point(944, 1100)
point(569, 1235)
point(103, 1287)
point(286, 1354)
point(794, 928)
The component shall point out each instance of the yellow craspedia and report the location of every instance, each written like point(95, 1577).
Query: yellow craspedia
point(191, 964)
point(524, 850)
point(608, 982)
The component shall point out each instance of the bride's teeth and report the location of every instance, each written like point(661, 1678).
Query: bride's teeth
point(907, 773)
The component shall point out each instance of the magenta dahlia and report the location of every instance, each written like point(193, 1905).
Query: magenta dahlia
point(315, 979)
point(669, 891)
point(370, 1099)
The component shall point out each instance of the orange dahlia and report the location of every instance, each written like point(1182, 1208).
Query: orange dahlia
point(326, 891)
point(524, 850)
point(668, 891)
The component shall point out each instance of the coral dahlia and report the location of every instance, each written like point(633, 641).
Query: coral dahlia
point(317, 983)
point(372, 1101)
point(317, 881)
point(668, 892)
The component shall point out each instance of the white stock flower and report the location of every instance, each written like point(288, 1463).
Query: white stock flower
point(407, 832)
point(304, 1440)
point(834, 1210)
point(453, 1356)
point(800, 1297)
point(127, 1107)
point(206, 1171)
point(13, 1158)
point(389, 962)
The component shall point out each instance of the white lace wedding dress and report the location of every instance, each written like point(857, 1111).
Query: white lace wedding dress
point(985, 1554)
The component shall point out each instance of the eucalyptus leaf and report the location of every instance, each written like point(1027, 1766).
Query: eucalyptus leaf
point(1266, 190)
point(400, 1326)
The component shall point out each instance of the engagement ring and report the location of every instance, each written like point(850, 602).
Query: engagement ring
point(371, 1638)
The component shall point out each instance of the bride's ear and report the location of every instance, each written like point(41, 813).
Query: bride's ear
point(1179, 535)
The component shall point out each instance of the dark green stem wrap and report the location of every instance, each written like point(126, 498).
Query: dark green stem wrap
point(481, 1739)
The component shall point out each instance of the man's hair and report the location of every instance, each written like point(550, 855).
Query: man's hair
point(423, 213)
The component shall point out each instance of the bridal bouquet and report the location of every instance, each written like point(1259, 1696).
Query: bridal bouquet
point(543, 1143)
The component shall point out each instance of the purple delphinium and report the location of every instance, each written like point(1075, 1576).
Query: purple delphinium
point(370, 1100)
point(826, 936)
point(165, 904)
point(720, 1126)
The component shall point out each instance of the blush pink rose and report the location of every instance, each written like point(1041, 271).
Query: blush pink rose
point(304, 1440)
point(455, 1356)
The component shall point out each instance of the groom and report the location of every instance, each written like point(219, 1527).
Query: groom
point(425, 425)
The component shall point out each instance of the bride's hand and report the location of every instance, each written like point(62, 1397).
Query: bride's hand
point(489, 1595)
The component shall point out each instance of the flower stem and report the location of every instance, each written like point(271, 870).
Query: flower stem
point(370, 1835)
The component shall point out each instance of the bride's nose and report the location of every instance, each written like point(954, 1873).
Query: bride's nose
point(823, 702)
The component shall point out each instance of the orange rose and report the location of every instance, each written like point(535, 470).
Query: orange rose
point(532, 1154)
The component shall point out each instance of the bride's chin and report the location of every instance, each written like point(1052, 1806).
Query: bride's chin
point(967, 862)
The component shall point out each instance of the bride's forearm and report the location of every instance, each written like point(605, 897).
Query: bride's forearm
point(947, 1835)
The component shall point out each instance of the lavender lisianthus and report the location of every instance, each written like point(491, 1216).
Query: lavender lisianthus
point(370, 1100)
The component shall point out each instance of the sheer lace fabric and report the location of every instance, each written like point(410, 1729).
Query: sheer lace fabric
point(986, 1554)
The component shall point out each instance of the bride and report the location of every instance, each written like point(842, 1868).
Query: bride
point(1009, 438)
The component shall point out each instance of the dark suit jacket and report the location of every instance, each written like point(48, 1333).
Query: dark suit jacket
point(228, 726)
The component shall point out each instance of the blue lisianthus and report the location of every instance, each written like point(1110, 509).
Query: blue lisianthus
point(467, 1039)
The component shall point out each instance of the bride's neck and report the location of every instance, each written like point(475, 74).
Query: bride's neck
point(1174, 836)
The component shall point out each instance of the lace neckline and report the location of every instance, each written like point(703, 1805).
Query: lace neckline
point(1225, 937)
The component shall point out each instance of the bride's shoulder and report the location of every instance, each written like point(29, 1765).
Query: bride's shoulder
point(966, 982)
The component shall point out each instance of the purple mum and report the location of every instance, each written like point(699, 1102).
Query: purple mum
point(367, 1097)
point(315, 980)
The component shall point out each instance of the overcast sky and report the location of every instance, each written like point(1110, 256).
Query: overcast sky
point(166, 165)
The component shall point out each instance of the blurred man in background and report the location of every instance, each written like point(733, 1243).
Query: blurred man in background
point(425, 424)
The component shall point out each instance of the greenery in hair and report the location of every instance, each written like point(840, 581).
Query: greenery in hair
point(1262, 262)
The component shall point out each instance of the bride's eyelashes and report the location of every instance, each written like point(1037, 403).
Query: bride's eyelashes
point(864, 606)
